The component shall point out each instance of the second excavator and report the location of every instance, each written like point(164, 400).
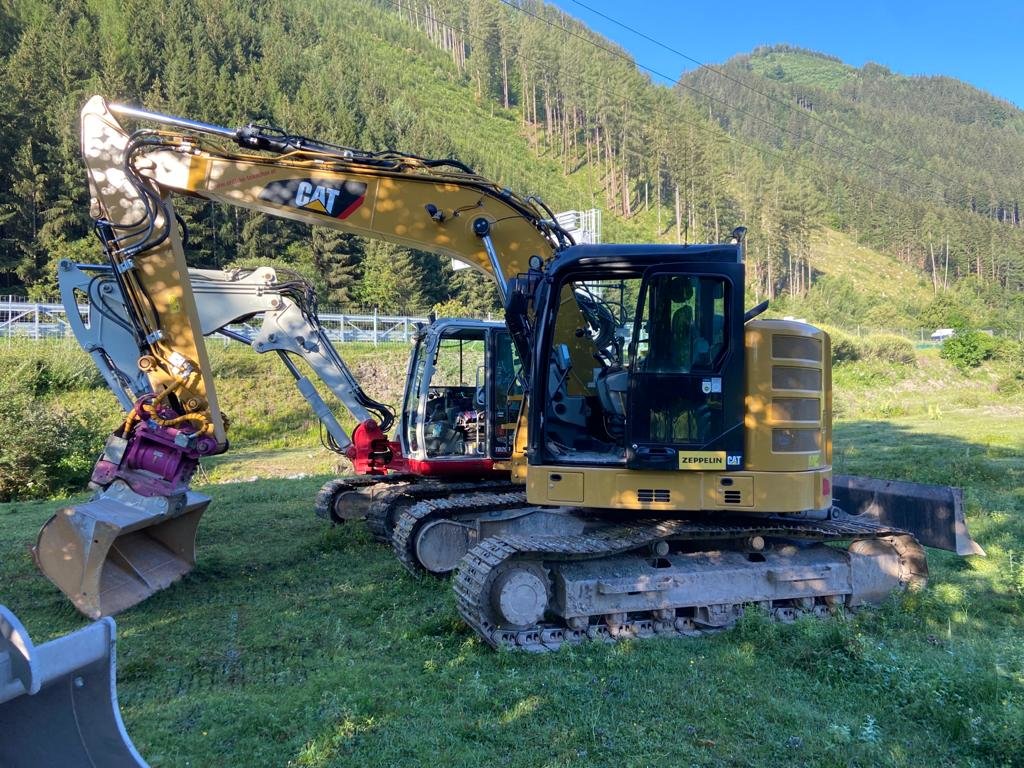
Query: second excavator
point(675, 447)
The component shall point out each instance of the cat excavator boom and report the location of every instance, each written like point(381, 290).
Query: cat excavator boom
point(137, 534)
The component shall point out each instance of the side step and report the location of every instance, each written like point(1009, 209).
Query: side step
point(933, 513)
point(118, 548)
point(58, 701)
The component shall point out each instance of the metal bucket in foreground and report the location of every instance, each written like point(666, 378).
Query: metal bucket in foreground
point(118, 548)
point(58, 701)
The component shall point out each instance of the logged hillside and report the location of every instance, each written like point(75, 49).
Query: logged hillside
point(924, 169)
point(918, 171)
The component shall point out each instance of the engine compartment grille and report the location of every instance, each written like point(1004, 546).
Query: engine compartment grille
point(656, 495)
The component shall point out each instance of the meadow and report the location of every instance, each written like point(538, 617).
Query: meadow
point(294, 643)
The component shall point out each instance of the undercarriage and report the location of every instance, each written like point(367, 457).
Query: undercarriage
point(676, 577)
point(535, 577)
point(381, 499)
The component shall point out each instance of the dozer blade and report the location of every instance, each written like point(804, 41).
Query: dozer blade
point(58, 701)
point(118, 548)
point(934, 514)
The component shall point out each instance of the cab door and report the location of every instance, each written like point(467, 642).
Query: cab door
point(686, 388)
point(505, 394)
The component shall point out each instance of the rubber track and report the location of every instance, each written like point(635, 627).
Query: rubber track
point(325, 498)
point(409, 523)
point(421, 489)
point(377, 515)
point(473, 575)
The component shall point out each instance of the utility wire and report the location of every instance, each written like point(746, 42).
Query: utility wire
point(718, 135)
point(721, 73)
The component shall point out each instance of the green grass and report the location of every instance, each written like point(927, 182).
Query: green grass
point(294, 643)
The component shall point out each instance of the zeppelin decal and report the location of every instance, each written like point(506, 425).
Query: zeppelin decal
point(702, 459)
point(338, 202)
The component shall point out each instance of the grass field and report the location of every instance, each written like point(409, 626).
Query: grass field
point(294, 643)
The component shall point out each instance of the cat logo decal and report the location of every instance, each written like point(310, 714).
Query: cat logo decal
point(339, 201)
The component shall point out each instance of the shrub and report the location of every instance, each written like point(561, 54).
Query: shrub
point(845, 348)
point(1011, 354)
point(968, 349)
point(45, 449)
point(452, 308)
point(889, 348)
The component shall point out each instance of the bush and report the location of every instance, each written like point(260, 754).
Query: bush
point(48, 367)
point(452, 308)
point(889, 348)
point(845, 348)
point(45, 449)
point(1011, 354)
point(968, 349)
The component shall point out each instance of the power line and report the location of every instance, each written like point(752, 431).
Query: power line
point(785, 160)
point(625, 57)
point(770, 97)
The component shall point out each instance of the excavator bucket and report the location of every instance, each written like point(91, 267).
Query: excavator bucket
point(58, 701)
point(934, 514)
point(118, 548)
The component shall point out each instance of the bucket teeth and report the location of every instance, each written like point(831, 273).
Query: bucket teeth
point(118, 548)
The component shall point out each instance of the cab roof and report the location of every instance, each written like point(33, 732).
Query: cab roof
point(644, 255)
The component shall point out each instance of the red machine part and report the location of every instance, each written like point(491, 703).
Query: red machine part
point(372, 453)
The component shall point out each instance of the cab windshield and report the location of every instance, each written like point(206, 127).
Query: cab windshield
point(660, 334)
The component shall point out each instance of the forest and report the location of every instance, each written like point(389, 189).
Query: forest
point(787, 142)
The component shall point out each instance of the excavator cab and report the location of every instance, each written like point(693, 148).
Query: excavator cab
point(462, 399)
point(655, 380)
point(669, 399)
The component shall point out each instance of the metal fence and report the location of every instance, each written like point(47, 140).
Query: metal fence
point(34, 320)
point(20, 318)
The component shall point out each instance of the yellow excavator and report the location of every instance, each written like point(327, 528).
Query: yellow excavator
point(675, 447)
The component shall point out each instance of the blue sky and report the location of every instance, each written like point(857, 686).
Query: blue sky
point(981, 42)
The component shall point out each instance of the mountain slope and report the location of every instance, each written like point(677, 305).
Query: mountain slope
point(534, 99)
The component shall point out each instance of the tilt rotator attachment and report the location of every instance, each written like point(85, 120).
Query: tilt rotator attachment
point(137, 534)
point(58, 701)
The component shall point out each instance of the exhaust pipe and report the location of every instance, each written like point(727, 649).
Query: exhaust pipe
point(118, 548)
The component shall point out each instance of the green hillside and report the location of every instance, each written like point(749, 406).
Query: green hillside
point(871, 273)
point(913, 167)
point(790, 144)
point(803, 68)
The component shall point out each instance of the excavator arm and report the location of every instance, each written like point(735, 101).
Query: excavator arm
point(224, 298)
point(136, 535)
point(439, 206)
